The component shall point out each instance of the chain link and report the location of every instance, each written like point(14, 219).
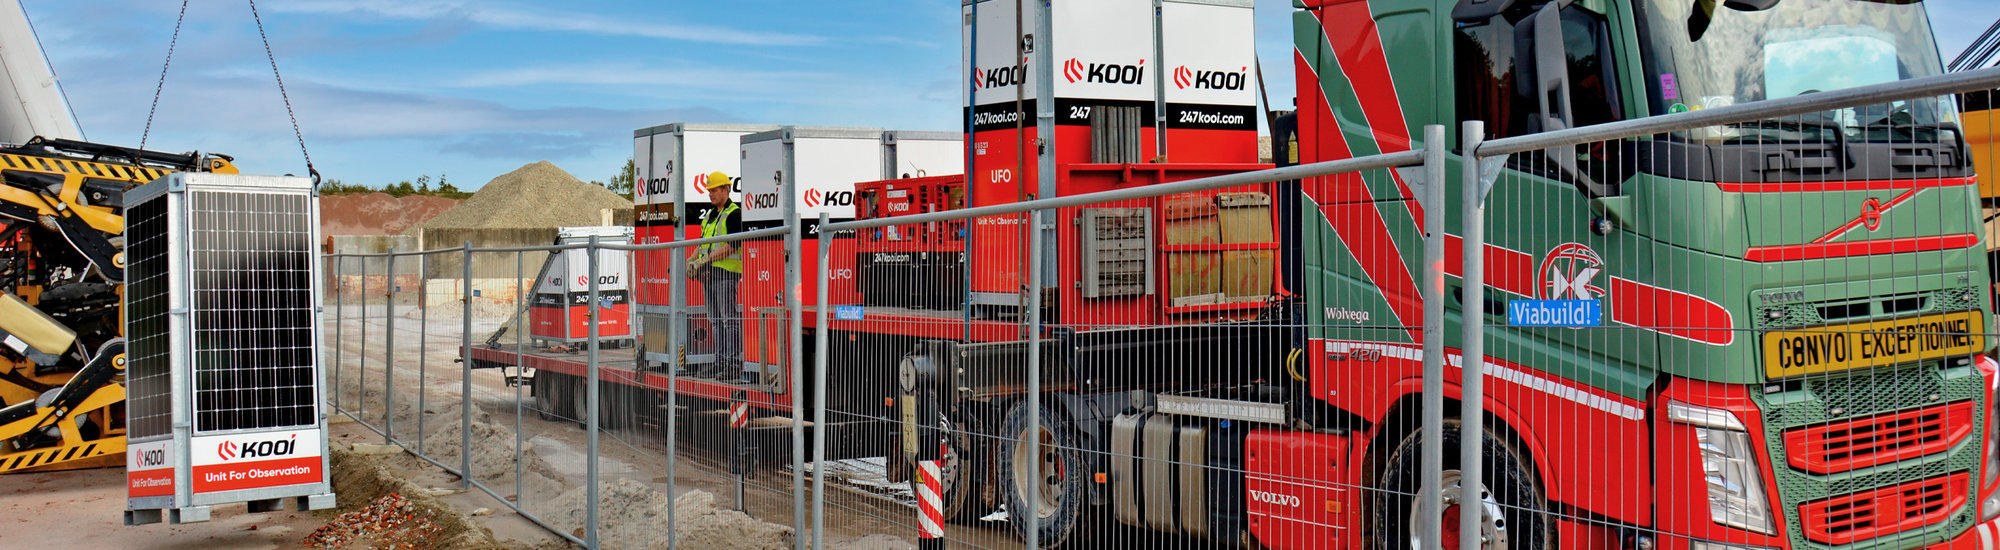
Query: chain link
point(162, 85)
point(310, 171)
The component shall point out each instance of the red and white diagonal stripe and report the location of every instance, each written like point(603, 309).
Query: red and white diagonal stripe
point(739, 415)
point(930, 501)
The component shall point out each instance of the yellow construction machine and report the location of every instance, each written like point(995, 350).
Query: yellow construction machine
point(62, 287)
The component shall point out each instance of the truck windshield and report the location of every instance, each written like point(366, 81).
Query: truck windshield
point(1700, 54)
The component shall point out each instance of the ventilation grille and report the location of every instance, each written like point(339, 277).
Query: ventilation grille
point(1882, 512)
point(1877, 440)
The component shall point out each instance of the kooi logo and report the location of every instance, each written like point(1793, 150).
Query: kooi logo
point(1104, 73)
point(231, 450)
point(1185, 78)
point(995, 78)
point(815, 198)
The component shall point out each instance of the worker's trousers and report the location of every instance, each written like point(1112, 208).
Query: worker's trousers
point(725, 317)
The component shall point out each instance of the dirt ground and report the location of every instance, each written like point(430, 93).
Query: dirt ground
point(85, 509)
point(552, 459)
point(396, 500)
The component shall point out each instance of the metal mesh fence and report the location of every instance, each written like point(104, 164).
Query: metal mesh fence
point(1759, 325)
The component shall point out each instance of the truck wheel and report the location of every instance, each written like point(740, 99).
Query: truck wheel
point(579, 400)
point(1058, 497)
point(960, 475)
point(548, 395)
point(1515, 510)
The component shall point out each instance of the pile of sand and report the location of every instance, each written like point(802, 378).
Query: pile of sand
point(538, 195)
point(377, 213)
point(633, 515)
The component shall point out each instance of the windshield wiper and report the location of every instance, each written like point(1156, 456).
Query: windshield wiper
point(1839, 132)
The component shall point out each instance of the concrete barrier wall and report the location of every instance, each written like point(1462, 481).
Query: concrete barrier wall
point(487, 265)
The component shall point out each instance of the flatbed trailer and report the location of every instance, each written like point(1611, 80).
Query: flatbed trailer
point(633, 392)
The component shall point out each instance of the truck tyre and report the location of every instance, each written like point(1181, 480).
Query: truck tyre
point(960, 474)
point(614, 406)
point(1515, 508)
point(548, 395)
point(1059, 497)
point(579, 400)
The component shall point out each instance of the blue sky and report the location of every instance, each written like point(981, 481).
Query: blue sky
point(387, 90)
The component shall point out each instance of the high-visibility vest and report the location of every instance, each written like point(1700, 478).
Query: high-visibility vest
point(717, 225)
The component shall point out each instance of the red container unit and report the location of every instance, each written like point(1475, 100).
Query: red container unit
point(1110, 90)
point(915, 265)
point(823, 165)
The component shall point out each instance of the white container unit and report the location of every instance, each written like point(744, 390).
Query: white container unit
point(223, 393)
point(561, 309)
point(669, 194)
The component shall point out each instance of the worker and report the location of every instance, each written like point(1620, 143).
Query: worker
point(719, 267)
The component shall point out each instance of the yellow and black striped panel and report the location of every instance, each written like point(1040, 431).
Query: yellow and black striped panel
point(121, 172)
point(52, 456)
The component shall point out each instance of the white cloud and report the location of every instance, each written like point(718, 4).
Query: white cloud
point(545, 18)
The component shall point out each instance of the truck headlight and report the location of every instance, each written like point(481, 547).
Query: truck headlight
point(1729, 466)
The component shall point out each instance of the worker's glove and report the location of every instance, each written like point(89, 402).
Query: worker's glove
point(696, 265)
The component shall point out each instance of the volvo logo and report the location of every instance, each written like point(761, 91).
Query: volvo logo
point(1279, 499)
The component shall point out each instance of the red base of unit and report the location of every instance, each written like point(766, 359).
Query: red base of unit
point(573, 322)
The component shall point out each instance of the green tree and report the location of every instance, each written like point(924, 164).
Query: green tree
point(400, 189)
point(622, 182)
point(424, 184)
point(338, 187)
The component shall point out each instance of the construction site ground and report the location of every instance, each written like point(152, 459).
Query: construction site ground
point(869, 515)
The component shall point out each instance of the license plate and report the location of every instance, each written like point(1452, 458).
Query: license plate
point(1836, 348)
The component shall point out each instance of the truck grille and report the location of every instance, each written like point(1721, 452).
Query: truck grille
point(1880, 439)
point(1889, 510)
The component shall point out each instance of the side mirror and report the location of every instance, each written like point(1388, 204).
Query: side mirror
point(1552, 95)
point(1750, 5)
point(1473, 11)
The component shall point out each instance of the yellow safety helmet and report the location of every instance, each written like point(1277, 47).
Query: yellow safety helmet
point(717, 179)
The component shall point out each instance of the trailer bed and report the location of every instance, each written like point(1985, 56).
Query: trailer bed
point(616, 366)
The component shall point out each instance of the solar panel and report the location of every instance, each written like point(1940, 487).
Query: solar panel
point(149, 405)
point(251, 264)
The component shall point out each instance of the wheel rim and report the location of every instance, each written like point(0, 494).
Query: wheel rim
point(1045, 493)
point(948, 457)
point(1492, 523)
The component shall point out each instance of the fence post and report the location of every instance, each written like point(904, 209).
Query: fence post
point(389, 355)
point(591, 401)
point(423, 342)
point(361, 370)
point(520, 324)
point(793, 260)
point(1430, 499)
point(339, 318)
point(820, 346)
point(676, 299)
point(465, 373)
point(1472, 405)
point(1033, 531)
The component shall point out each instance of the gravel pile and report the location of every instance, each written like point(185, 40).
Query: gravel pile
point(538, 195)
